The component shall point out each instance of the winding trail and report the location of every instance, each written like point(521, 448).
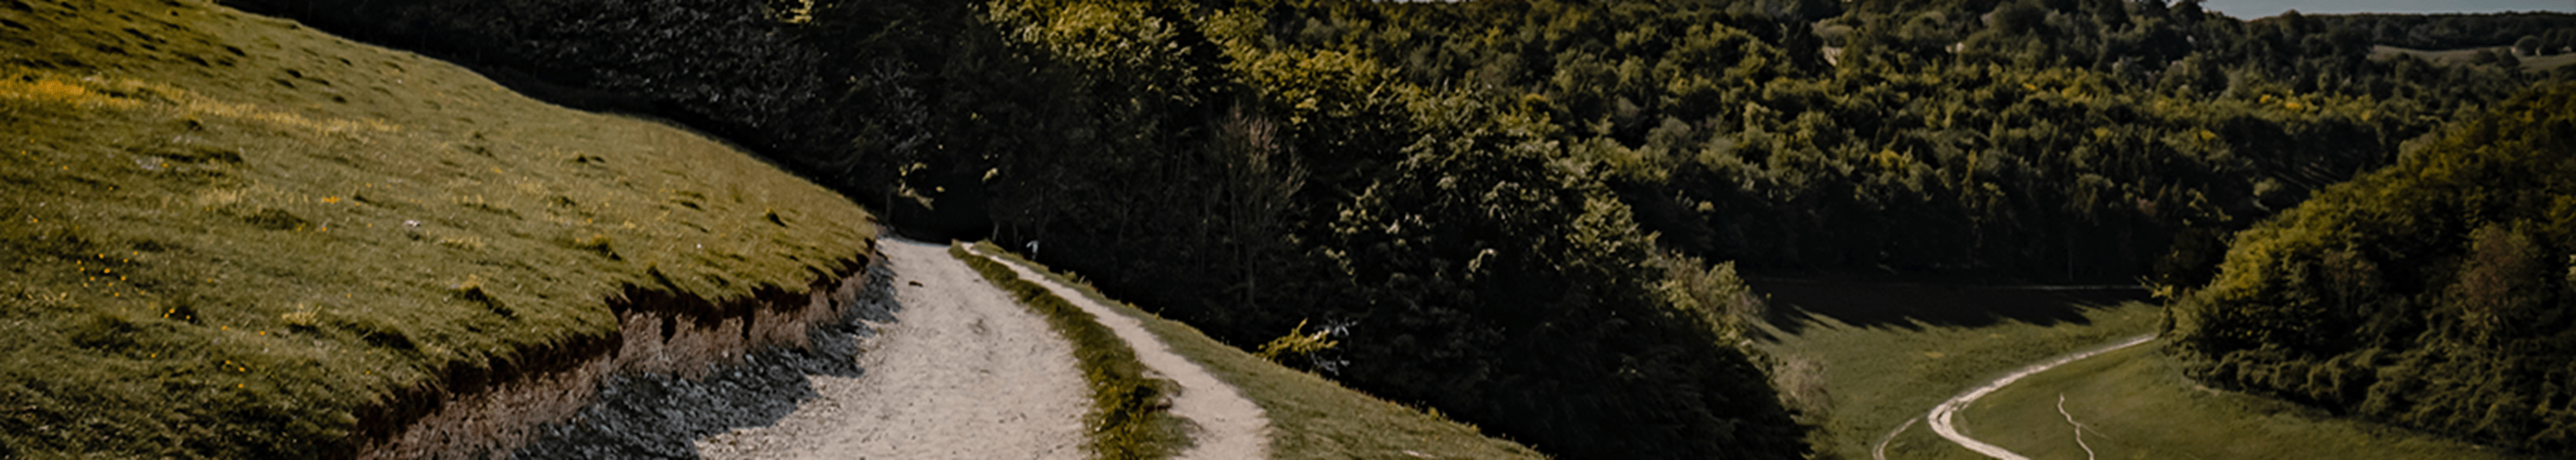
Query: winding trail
point(965, 372)
point(1230, 426)
point(2079, 426)
point(1879, 452)
point(1941, 416)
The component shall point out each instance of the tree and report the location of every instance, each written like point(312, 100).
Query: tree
point(2497, 282)
point(2020, 17)
point(1498, 281)
point(1257, 196)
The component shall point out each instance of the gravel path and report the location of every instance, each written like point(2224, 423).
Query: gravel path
point(963, 373)
point(1229, 426)
point(1941, 416)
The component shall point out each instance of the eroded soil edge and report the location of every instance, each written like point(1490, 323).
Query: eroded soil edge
point(664, 378)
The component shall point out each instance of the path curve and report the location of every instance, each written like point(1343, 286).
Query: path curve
point(1230, 426)
point(964, 372)
point(1880, 451)
point(1940, 417)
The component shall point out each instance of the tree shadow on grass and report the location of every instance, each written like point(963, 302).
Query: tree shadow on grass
point(1911, 304)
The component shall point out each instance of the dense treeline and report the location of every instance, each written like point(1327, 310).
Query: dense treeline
point(2455, 31)
point(1504, 206)
point(2053, 138)
point(2435, 293)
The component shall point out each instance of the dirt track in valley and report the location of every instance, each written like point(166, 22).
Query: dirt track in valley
point(1941, 416)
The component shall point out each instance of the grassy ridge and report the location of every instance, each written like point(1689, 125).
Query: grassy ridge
point(1130, 417)
point(1311, 417)
point(228, 236)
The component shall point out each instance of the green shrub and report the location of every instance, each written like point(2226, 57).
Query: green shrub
point(1298, 348)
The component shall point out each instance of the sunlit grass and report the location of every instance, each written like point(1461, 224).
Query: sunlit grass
point(1879, 377)
point(233, 242)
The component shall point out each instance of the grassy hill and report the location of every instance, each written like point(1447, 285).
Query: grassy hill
point(229, 236)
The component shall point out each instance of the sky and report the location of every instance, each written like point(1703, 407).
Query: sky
point(2251, 9)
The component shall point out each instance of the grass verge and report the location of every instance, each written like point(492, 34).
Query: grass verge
point(224, 235)
point(2136, 403)
point(1311, 417)
point(1130, 416)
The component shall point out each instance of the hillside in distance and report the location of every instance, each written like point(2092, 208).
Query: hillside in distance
point(2435, 293)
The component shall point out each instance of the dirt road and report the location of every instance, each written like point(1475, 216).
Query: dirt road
point(964, 373)
point(1941, 416)
point(1229, 426)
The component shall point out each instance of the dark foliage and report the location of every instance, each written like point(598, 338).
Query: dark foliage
point(2053, 139)
point(1504, 287)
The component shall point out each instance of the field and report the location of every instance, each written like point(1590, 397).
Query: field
point(2135, 403)
point(2462, 56)
point(1888, 352)
point(230, 236)
point(1885, 353)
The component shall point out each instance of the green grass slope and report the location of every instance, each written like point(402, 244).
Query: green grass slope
point(223, 235)
point(1310, 417)
point(1884, 355)
point(1872, 356)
